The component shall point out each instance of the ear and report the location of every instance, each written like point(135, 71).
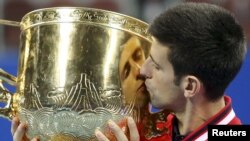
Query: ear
point(191, 86)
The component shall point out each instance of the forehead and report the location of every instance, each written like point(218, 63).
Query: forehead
point(131, 45)
point(159, 51)
point(129, 48)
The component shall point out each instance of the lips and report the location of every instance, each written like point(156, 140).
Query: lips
point(142, 89)
point(142, 96)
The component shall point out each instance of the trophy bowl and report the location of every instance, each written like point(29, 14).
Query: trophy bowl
point(78, 68)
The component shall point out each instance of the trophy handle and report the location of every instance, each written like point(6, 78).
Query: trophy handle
point(6, 96)
point(10, 23)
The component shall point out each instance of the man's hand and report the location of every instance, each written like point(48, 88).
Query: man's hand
point(18, 131)
point(119, 134)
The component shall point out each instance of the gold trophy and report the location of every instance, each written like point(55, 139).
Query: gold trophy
point(78, 68)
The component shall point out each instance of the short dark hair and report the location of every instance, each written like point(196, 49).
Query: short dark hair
point(205, 40)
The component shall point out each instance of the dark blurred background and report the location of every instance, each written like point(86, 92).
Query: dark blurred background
point(145, 10)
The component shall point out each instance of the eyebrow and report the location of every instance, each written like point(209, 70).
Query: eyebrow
point(154, 60)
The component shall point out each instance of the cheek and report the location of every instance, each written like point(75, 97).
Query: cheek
point(130, 86)
point(162, 82)
point(164, 86)
point(167, 97)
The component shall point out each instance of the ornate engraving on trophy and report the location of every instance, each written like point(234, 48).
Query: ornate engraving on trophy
point(81, 15)
point(84, 94)
point(83, 103)
point(37, 17)
point(51, 15)
point(86, 15)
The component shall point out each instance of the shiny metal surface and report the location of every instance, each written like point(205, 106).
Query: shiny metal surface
point(5, 96)
point(78, 67)
point(9, 23)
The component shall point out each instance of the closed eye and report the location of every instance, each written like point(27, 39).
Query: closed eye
point(126, 71)
point(137, 55)
point(156, 65)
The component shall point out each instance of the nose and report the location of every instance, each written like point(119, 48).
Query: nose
point(143, 72)
point(137, 73)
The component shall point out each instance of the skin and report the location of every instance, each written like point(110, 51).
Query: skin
point(164, 94)
point(187, 100)
point(116, 130)
point(18, 131)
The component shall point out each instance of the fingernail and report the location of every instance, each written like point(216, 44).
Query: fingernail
point(15, 119)
point(36, 139)
point(98, 133)
point(111, 124)
point(25, 126)
point(130, 120)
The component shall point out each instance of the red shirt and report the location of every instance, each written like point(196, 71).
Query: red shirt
point(225, 116)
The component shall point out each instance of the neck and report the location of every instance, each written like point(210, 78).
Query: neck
point(196, 114)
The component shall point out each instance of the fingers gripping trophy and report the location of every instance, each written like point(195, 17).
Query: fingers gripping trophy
point(77, 69)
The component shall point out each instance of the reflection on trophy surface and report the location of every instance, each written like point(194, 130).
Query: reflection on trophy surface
point(78, 68)
point(133, 88)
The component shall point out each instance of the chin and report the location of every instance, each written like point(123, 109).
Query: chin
point(141, 103)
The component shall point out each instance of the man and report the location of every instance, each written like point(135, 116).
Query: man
point(197, 50)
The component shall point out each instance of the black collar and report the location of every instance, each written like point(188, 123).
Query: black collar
point(176, 133)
